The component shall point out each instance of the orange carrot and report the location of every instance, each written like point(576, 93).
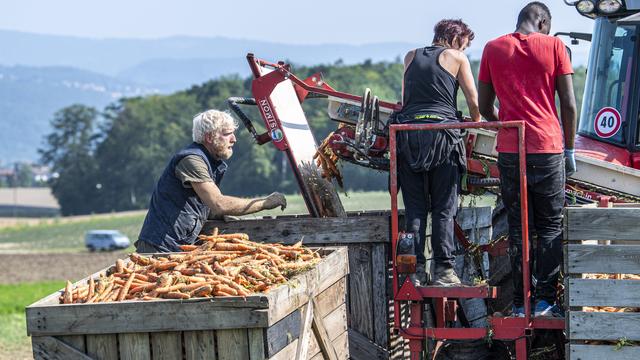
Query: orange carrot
point(226, 289)
point(166, 265)
point(176, 295)
point(67, 298)
point(120, 265)
point(125, 289)
point(188, 247)
point(202, 291)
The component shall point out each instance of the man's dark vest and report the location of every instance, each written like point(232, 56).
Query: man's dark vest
point(176, 214)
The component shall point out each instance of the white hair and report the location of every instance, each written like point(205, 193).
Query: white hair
point(211, 121)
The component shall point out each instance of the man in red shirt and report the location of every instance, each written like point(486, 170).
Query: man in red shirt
point(524, 70)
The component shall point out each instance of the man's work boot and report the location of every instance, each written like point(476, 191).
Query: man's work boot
point(444, 275)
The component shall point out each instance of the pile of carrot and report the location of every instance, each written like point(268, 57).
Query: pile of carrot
point(222, 265)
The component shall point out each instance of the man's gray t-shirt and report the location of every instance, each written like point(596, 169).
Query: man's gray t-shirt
point(192, 169)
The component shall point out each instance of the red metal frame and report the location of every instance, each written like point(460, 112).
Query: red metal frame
point(503, 328)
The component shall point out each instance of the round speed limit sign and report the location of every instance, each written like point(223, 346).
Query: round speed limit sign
point(607, 122)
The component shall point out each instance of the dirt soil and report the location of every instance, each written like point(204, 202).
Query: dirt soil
point(17, 268)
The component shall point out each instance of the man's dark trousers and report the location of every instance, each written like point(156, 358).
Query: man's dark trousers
point(435, 190)
point(545, 189)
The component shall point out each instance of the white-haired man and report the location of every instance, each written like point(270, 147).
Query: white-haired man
point(187, 192)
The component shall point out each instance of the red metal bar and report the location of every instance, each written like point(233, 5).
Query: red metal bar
point(522, 153)
point(393, 187)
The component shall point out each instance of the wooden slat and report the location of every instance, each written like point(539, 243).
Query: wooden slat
point(134, 346)
point(341, 344)
point(256, 344)
point(295, 293)
point(322, 336)
point(360, 290)
point(379, 294)
point(602, 224)
point(361, 348)
point(109, 318)
point(334, 296)
point(302, 351)
point(602, 352)
point(166, 345)
point(335, 323)
point(232, 344)
point(76, 341)
point(283, 333)
point(605, 259)
point(591, 292)
point(288, 353)
point(316, 231)
point(200, 345)
point(603, 326)
point(102, 346)
point(50, 348)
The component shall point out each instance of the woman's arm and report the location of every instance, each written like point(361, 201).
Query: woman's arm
point(407, 61)
point(468, 86)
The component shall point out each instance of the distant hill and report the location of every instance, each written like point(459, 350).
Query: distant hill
point(40, 74)
point(29, 97)
point(170, 61)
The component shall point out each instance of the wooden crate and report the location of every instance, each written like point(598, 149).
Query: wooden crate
point(308, 315)
point(588, 231)
point(367, 236)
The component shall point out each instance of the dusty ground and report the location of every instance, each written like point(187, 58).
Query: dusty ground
point(17, 268)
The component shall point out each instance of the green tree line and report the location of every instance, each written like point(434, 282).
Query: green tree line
point(110, 159)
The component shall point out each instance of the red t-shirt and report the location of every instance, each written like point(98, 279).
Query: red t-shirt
point(523, 70)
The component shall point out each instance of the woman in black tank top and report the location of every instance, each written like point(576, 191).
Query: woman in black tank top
point(430, 163)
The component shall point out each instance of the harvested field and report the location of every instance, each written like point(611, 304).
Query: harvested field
point(21, 268)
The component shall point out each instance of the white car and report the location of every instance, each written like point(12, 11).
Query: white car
point(105, 240)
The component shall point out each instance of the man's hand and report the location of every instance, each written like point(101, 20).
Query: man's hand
point(569, 162)
point(274, 200)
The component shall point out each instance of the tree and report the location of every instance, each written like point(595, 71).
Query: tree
point(68, 151)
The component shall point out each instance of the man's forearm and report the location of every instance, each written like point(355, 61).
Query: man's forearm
point(568, 114)
point(235, 206)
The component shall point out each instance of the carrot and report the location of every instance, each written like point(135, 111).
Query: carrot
point(120, 265)
point(127, 286)
point(264, 287)
point(219, 269)
point(188, 247)
point(233, 247)
point(176, 295)
point(143, 288)
point(202, 291)
point(188, 272)
point(234, 236)
point(207, 269)
point(226, 289)
point(67, 298)
point(166, 265)
point(138, 277)
point(92, 288)
point(167, 289)
point(251, 272)
point(106, 292)
point(139, 259)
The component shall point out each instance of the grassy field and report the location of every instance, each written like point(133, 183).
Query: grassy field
point(68, 236)
point(14, 343)
point(62, 235)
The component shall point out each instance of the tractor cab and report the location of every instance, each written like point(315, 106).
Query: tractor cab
point(608, 125)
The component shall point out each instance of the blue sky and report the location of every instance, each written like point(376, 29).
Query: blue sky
point(285, 21)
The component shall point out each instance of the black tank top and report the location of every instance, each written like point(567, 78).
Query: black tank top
point(428, 87)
